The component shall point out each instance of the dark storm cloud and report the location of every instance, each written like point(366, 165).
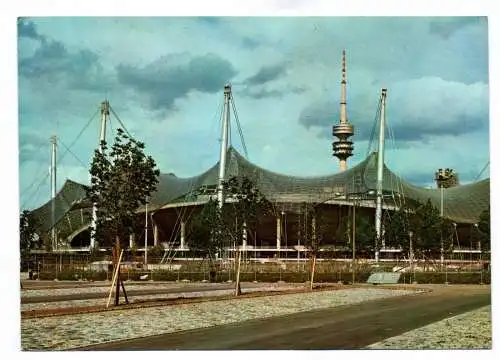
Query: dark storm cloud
point(172, 77)
point(52, 63)
point(27, 29)
point(324, 115)
point(249, 43)
point(275, 93)
point(445, 27)
point(267, 74)
point(31, 147)
point(413, 111)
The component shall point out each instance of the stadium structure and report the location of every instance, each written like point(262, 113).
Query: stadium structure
point(369, 186)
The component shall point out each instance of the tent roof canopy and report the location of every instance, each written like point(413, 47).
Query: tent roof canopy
point(462, 204)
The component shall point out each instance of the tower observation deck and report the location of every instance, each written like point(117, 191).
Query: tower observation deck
point(343, 147)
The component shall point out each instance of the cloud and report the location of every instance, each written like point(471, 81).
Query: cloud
point(436, 71)
point(32, 146)
point(27, 29)
point(52, 63)
point(266, 74)
point(174, 76)
point(445, 27)
point(250, 43)
point(416, 109)
point(273, 93)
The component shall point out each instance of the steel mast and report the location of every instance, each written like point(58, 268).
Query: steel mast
point(102, 140)
point(224, 144)
point(53, 178)
point(380, 175)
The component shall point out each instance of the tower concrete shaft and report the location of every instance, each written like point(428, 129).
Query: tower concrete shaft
point(343, 148)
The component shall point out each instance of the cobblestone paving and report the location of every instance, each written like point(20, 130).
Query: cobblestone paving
point(471, 330)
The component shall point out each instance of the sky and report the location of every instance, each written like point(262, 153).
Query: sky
point(164, 78)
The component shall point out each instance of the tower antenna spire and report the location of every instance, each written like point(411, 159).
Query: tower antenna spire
point(343, 148)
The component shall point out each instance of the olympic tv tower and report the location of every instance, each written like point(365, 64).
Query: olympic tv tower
point(343, 148)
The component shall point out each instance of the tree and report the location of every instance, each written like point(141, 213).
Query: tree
point(365, 232)
point(430, 229)
point(204, 233)
point(246, 210)
point(215, 228)
point(396, 228)
point(483, 228)
point(120, 183)
point(29, 233)
point(242, 215)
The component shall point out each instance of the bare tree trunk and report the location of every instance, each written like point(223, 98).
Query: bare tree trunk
point(312, 271)
point(212, 267)
point(238, 287)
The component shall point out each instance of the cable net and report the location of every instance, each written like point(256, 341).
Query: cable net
point(462, 204)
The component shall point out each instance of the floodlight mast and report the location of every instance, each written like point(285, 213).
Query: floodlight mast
point(224, 144)
point(380, 175)
point(102, 140)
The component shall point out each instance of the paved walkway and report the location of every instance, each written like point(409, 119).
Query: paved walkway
point(343, 327)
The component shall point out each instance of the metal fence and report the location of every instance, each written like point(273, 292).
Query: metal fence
point(86, 267)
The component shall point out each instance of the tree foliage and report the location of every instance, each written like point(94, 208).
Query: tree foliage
point(29, 233)
point(365, 232)
point(204, 231)
point(121, 181)
point(213, 228)
point(483, 227)
point(423, 220)
point(248, 207)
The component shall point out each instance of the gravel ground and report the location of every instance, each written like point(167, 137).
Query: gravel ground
point(471, 330)
point(105, 289)
point(66, 332)
point(131, 299)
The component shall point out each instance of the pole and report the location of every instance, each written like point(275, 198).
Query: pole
point(102, 139)
point(238, 287)
point(146, 237)
point(412, 269)
point(53, 175)
point(442, 214)
point(380, 174)
point(353, 241)
point(224, 144)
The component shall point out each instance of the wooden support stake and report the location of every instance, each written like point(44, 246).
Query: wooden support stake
point(115, 277)
point(238, 287)
point(312, 271)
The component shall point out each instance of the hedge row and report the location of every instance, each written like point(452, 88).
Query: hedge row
point(291, 277)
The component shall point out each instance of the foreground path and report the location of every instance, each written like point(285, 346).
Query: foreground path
point(343, 327)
